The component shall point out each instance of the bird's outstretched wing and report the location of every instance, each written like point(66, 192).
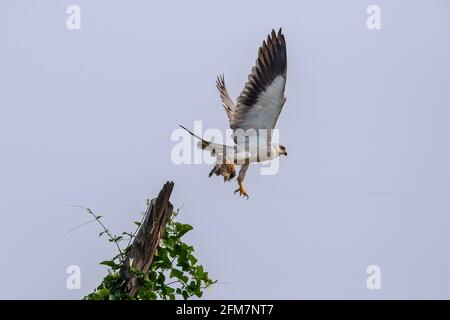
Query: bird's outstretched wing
point(227, 102)
point(260, 103)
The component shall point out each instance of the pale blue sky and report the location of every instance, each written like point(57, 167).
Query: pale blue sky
point(86, 118)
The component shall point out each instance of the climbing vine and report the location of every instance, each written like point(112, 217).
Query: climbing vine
point(174, 273)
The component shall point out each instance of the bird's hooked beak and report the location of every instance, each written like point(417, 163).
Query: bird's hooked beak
point(284, 152)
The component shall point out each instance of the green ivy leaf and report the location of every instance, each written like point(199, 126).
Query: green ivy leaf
point(182, 229)
point(102, 293)
point(200, 272)
point(192, 259)
point(109, 263)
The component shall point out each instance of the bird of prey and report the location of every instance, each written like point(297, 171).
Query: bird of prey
point(256, 111)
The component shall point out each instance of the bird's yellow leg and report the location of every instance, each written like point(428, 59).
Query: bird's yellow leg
point(241, 190)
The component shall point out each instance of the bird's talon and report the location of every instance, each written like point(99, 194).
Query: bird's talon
point(242, 192)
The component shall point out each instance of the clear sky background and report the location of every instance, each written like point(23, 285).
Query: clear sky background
point(86, 118)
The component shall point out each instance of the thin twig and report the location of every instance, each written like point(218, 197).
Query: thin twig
point(173, 282)
point(78, 226)
point(108, 233)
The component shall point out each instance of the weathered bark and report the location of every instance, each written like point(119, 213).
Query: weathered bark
point(143, 249)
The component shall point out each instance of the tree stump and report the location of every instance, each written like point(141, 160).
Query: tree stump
point(143, 249)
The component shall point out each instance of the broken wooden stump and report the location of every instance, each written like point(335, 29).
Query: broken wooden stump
point(142, 250)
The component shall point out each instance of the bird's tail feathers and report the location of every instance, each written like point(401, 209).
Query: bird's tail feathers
point(226, 170)
point(190, 132)
point(202, 144)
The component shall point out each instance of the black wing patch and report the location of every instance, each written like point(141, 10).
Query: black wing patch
point(271, 63)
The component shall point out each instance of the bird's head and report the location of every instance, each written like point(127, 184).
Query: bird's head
point(282, 150)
